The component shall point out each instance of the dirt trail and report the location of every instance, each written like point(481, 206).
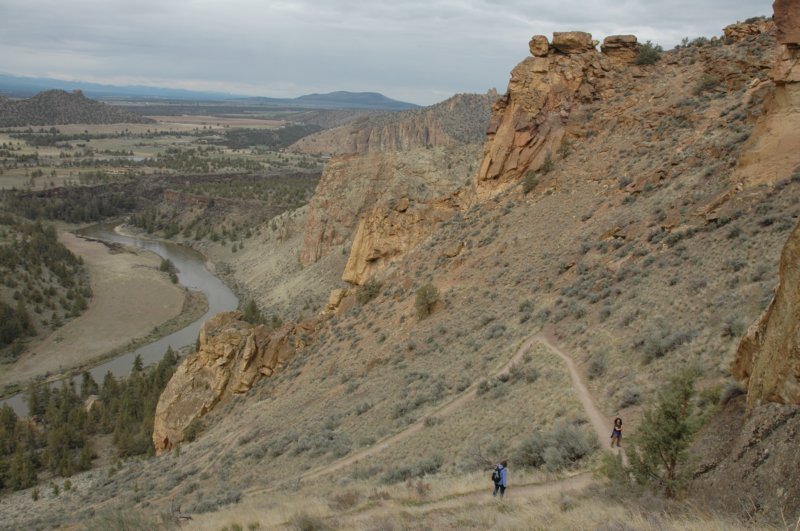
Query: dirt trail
point(385, 443)
point(533, 490)
point(598, 421)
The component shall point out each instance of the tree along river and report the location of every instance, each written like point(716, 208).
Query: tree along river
point(192, 273)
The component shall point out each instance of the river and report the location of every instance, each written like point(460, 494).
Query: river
point(192, 273)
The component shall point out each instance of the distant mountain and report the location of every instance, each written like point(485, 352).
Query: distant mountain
point(338, 100)
point(24, 87)
point(57, 107)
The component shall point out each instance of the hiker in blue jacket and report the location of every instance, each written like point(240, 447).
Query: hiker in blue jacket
point(500, 478)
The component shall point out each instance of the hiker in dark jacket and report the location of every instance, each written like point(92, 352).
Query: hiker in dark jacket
point(501, 478)
point(616, 433)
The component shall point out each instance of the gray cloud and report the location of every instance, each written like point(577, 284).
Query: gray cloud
point(416, 50)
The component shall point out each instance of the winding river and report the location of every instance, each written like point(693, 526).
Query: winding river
point(192, 273)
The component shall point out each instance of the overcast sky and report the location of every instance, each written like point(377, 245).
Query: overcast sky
point(421, 51)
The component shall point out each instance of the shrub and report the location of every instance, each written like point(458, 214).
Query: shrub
point(731, 391)
point(251, 313)
point(423, 467)
point(706, 82)
point(193, 430)
point(630, 397)
point(344, 500)
point(427, 296)
point(649, 53)
point(665, 432)
point(368, 291)
point(597, 367)
point(530, 181)
point(559, 448)
point(547, 164)
point(307, 522)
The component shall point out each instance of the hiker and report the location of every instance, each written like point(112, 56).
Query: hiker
point(500, 478)
point(616, 433)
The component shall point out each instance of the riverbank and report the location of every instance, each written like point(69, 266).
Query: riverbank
point(133, 304)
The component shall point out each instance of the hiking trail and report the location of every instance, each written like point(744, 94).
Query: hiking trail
point(600, 424)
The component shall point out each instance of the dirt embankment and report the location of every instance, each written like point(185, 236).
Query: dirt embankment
point(131, 298)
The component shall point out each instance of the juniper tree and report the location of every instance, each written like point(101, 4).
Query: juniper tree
point(666, 430)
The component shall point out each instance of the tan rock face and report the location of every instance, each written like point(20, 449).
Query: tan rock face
point(354, 185)
point(621, 48)
point(458, 120)
point(771, 152)
point(786, 14)
point(768, 358)
point(570, 42)
point(741, 31)
point(528, 123)
point(539, 46)
point(233, 356)
point(386, 234)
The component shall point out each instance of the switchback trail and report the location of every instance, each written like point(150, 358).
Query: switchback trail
point(600, 424)
point(598, 421)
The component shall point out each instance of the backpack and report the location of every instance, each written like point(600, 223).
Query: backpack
point(496, 477)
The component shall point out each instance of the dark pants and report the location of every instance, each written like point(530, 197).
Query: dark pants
point(501, 488)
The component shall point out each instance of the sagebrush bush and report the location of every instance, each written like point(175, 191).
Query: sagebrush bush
point(421, 468)
point(368, 291)
point(649, 53)
point(559, 448)
point(530, 181)
point(426, 297)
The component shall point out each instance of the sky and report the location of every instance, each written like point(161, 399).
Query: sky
point(421, 51)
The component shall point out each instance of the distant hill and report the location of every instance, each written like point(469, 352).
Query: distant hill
point(25, 87)
point(57, 107)
point(338, 100)
point(461, 119)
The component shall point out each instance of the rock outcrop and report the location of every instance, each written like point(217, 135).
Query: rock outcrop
point(528, 122)
point(353, 186)
point(389, 232)
point(233, 355)
point(768, 359)
point(455, 121)
point(772, 153)
point(621, 48)
point(786, 14)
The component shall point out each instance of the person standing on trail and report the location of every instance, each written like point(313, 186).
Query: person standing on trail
point(500, 478)
point(616, 433)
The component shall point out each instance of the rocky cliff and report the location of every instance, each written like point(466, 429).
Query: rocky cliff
point(771, 153)
point(531, 120)
point(768, 358)
point(232, 356)
point(374, 184)
point(458, 120)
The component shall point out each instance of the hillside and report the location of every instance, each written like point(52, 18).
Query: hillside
point(626, 217)
point(337, 100)
point(461, 119)
point(57, 107)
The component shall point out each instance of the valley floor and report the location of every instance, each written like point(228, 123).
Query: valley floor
point(130, 298)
